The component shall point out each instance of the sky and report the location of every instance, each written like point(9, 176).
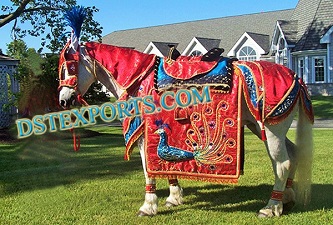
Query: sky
point(115, 15)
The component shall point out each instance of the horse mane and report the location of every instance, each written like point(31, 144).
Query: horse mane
point(124, 64)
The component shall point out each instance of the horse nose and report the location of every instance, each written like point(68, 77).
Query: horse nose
point(63, 103)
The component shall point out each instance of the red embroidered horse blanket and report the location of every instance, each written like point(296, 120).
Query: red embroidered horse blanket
point(199, 141)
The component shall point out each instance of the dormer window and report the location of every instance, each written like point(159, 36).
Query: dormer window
point(247, 53)
point(196, 53)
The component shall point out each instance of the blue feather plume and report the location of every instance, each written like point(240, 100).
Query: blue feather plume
point(75, 18)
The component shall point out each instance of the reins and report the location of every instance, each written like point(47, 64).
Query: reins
point(76, 138)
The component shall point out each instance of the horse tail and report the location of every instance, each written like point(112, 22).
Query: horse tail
point(304, 143)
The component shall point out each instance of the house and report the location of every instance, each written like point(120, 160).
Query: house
point(299, 38)
point(8, 86)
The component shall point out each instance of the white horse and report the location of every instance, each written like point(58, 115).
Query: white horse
point(286, 157)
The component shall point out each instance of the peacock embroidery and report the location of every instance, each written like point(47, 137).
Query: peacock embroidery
point(170, 153)
point(207, 138)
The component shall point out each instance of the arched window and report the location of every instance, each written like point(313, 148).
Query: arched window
point(196, 53)
point(247, 53)
point(281, 55)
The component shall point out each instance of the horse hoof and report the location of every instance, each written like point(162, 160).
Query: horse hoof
point(169, 204)
point(288, 206)
point(142, 214)
point(264, 215)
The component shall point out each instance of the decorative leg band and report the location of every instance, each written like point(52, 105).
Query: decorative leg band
point(289, 183)
point(150, 188)
point(277, 195)
point(173, 182)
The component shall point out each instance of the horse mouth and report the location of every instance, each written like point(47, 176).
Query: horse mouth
point(65, 104)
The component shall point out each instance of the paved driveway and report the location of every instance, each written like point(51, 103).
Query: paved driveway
point(318, 123)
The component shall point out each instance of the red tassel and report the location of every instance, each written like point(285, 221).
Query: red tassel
point(263, 135)
point(76, 141)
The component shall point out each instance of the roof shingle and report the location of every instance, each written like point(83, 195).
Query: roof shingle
point(226, 29)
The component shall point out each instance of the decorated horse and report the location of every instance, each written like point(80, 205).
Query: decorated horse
point(187, 113)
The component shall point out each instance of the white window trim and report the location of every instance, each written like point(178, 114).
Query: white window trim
point(247, 56)
point(313, 69)
point(246, 40)
point(304, 77)
point(281, 53)
point(151, 49)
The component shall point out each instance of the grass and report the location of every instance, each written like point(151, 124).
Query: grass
point(322, 106)
point(43, 181)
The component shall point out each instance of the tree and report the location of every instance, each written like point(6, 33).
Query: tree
point(46, 19)
point(31, 76)
point(38, 76)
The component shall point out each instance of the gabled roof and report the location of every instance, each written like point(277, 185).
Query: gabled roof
point(209, 43)
point(326, 38)
point(315, 24)
point(226, 29)
point(289, 30)
point(202, 45)
point(164, 47)
point(261, 39)
point(304, 13)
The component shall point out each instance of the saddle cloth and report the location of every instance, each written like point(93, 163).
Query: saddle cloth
point(191, 71)
point(271, 90)
point(207, 131)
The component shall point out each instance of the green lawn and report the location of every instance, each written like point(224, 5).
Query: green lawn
point(43, 181)
point(323, 107)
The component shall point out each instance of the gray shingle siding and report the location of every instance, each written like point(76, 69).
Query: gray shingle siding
point(312, 27)
point(262, 40)
point(289, 28)
point(163, 47)
point(304, 13)
point(209, 43)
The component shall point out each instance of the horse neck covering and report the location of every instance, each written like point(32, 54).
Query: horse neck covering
point(126, 66)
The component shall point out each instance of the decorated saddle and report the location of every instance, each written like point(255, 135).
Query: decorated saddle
point(192, 71)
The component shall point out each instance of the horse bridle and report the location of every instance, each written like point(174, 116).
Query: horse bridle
point(71, 62)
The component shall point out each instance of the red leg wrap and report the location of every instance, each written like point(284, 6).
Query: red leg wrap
point(150, 188)
point(289, 183)
point(277, 195)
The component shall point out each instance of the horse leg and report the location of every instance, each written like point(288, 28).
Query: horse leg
point(176, 193)
point(289, 198)
point(150, 205)
point(277, 150)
